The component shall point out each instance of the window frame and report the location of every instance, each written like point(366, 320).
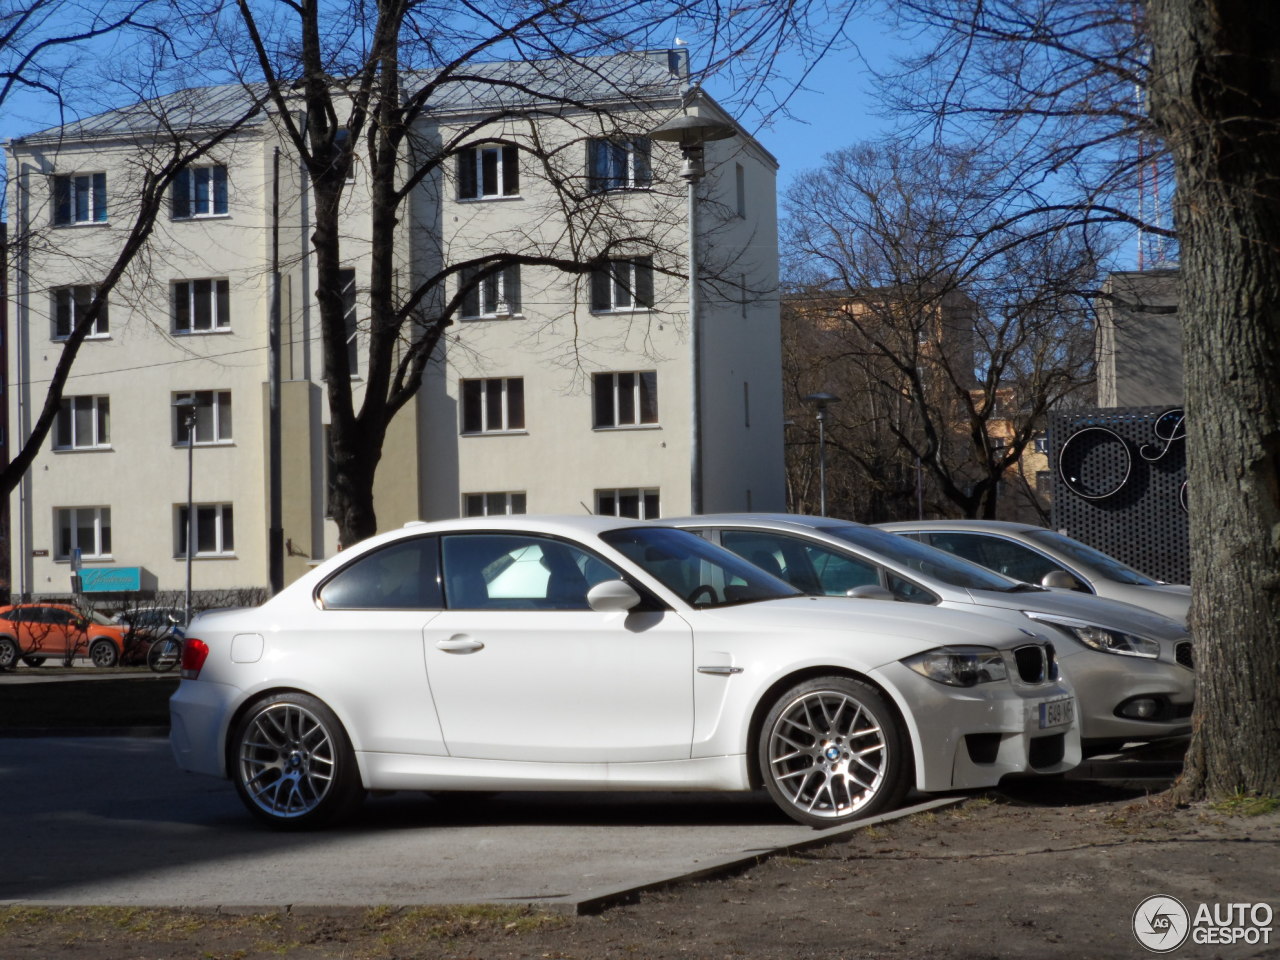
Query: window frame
point(643, 393)
point(70, 189)
point(219, 296)
point(643, 497)
point(70, 301)
point(101, 526)
point(619, 163)
point(480, 299)
point(184, 197)
point(486, 400)
point(487, 499)
point(611, 292)
point(221, 526)
point(218, 412)
point(68, 419)
point(474, 175)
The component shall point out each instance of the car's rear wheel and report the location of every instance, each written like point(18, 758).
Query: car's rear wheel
point(9, 653)
point(33, 661)
point(833, 750)
point(292, 763)
point(103, 653)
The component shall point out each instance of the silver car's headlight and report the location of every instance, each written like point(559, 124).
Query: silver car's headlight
point(1098, 637)
point(960, 666)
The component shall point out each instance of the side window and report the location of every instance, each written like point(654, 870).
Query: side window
point(904, 589)
point(402, 576)
point(839, 573)
point(513, 572)
point(1003, 556)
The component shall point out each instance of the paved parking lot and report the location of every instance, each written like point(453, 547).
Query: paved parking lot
point(111, 820)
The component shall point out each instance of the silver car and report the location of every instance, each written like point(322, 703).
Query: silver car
point(1131, 668)
point(1027, 552)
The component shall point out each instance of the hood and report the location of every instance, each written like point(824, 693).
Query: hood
point(911, 626)
point(1099, 610)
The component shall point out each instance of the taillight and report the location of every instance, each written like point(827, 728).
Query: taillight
point(194, 654)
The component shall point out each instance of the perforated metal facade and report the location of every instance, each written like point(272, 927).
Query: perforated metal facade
point(1120, 485)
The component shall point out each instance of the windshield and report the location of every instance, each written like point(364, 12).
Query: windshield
point(1086, 556)
point(96, 617)
point(916, 556)
point(704, 574)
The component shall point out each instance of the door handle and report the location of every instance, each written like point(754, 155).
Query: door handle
point(459, 644)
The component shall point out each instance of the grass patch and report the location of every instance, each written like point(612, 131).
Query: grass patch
point(107, 702)
point(1243, 804)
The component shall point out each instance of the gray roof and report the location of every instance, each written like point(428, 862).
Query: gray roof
point(644, 75)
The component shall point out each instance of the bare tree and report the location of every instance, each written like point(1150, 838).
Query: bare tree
point(352, 86)
point(951, 320)
point(1070, 82)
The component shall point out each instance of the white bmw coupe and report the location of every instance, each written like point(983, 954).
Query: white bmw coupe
point(588, 653)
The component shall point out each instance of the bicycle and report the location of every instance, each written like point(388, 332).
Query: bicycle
point(166, 652)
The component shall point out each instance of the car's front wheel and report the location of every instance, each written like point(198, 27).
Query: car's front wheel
point(9, 653)
point(292, 763)
point(103, 653)
point(832, 750)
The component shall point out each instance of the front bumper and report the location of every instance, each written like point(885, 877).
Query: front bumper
point(1105, 683)
point(970, 737)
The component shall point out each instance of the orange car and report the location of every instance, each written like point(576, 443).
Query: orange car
point(34, 632)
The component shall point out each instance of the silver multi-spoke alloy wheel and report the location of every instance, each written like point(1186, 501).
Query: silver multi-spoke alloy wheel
point(103, 653)
point(293, 766)
point(832, 750)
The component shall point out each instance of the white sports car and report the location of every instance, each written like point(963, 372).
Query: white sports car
point(588, 653)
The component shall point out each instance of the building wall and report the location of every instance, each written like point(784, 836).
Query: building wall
point(558, 461)
point(1139, 352)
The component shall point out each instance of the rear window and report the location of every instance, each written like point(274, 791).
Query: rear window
point(401, 576)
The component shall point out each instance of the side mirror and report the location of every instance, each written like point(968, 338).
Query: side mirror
point(610, 596)
point(870, 591)
point(1060, 580)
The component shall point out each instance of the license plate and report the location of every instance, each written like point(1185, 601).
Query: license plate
point(1056, 713)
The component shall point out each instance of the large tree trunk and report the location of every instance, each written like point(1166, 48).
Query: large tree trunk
point(1216, 94)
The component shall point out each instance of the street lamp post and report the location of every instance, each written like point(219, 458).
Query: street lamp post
point(692, 133)
point(822, 401)
point(186, 407)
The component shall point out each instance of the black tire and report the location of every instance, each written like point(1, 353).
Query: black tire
point(833, 750)
point(9, 653)
point(164, 655)
point(103, 653)
point(34, 661)
point(292, 764)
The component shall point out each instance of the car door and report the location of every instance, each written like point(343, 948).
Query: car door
point(521, 668)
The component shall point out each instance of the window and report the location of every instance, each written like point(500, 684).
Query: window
point(80, 199)
point(631, 502)
point(625, 399)
point(740, 181)
point(622, 285)
point(347, 280)
point(492, 504)
point(497, 295)
point(492, 406)
point(70, 304)
point(213, 417)
point(402, 576)
point(201, 306)
point(618, 164)
point(215, 534)
point(489, 171)
point(83, 423)
point(87, 529)
point(512, 572)
point(807, 566)
point(200, 192)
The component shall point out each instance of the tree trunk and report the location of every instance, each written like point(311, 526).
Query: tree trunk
point(1216, 94)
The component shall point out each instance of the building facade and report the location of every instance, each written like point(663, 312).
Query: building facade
point(554, 390)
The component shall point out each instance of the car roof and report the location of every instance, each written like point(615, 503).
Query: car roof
point(998, 526)
point(781, 521)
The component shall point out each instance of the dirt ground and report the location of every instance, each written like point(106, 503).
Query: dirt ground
point(1038, 873)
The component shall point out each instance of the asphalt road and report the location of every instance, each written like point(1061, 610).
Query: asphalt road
point(112, 821)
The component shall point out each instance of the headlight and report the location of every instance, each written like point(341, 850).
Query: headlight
point(1102, 638)
point(960, 666)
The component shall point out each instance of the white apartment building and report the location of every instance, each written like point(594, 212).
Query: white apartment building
point(553, 392)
